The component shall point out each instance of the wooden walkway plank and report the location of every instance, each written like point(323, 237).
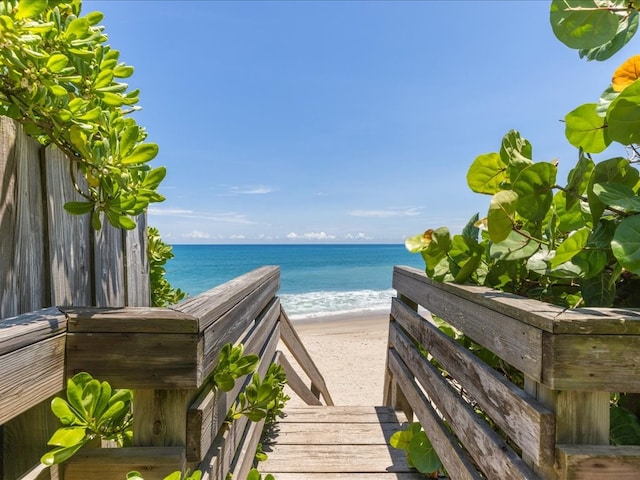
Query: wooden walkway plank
point(322, 443)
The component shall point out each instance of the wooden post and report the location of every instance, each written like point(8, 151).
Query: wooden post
point(582, 418)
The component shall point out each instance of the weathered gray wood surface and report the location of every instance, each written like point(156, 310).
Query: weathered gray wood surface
point(49, 258)
point(526, 421)
point(360, 444)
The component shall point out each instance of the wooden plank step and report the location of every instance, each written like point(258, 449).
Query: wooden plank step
point(342, 414)
point(324, 443)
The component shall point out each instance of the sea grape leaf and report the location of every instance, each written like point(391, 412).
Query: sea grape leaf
point(423, 455)
point(500, 219)
point(571, 246)
point(590, 262)
point(568, 219)
point(623, 116)
point(585, 129)
point(625, 427)
point(470, 230)
point(581, 24)
point(515, 152)
point(613, 170)
point(618, 196)
point(487, 173)
point(626, 244)
point(626, 74)
point(516, 246)
point(598, 291)
point(438, 247)
point(578, 179)
point(627, 28)
point(606, 97)
point(533, 187)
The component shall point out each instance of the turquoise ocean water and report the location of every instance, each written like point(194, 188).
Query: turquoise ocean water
point(317, 280)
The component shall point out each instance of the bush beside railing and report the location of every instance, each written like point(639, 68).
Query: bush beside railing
point(571, 361)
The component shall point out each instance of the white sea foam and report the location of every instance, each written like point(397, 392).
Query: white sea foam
point(322, 304)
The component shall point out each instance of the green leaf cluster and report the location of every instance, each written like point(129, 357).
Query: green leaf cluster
point(262, 398)
point(159, 252)
point(92, 410)
point(420, 452)
point(566, 244)
point(63, 82)
point(232, 365)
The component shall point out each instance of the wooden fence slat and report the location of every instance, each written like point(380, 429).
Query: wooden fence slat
point(526, 421)
point(129, 320)
point(30, 262)
point(452, 456)
point(494, 457)
point(291, 339)
point(136, 265)
point(517, 343)
point(109, 266)
point(8, 205)
point(69, 236)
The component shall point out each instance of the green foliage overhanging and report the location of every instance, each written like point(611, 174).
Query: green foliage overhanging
point(572, 244)
point(61, 81)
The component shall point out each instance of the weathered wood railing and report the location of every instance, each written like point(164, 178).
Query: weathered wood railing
point(166, 356)
point(571, 361)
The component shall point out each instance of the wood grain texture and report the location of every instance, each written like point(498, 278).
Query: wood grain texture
point(8, 212)
point(528, 422)
point(30, 328)
point(211, 305)
point(364, 450)
point(114, 463)
point(69, 237)
point(137, 360)
point(518, 343)
point(292, 341)
point(30, 263)
point(545, 316)
point(30, 375)
point(108, 261)
point(296, 383)
point(129, 320)
point(207, 414)
point(604, 462)
point(488, 450)
point(454, 458)
point(592, 362)
point(136, 265)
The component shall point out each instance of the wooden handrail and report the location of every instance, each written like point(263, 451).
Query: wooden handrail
point(570, 359)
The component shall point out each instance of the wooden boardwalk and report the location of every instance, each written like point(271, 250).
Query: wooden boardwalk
point(324, 443)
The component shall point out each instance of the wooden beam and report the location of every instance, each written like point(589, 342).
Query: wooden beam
point(296, 347)
point(605, 462)
point(295, 382)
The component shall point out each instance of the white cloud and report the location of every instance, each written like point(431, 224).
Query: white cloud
point(246, 190)
point(196, 234)
point(386, 213)
point(169, 211)
point(237, 237)
point(357, 236)
point(310, 236)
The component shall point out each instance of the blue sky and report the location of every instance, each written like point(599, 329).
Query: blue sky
point(338, 121)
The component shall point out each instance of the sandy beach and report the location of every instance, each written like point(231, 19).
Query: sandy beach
point(350, 351)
